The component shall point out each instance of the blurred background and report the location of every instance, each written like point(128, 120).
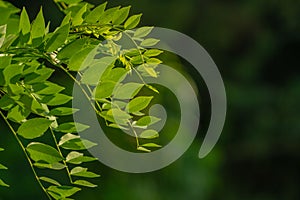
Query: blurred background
point(256, 46)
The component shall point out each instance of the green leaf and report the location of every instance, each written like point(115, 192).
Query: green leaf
point(149, 70)
point(78, 18)
point(24, 25)
point(43, 152)
point(40, 75)
point(18, 114)
point(2, 34)
point(149, 42)
point(151, 145)
point(62, 111)
point(107, 16)
point(34, 128)
point(116, 115)
point(85, 183)
point(1, 149)
point(2, 183)
point(138, 103)
point(143, 31)
point(5, 61)
point(153, 61)
point(66, 19)
point(140, 148)
point(149, 134)
point(78, 158)
point(15, 89)
point(104, 89)
point(147, 121)
point(38, 29)
point(121, 15)
point(71, 127)
point(74, 142)
point(78, 58)
point(93, 74)
point(50, 180)
point(72, 48)
point(56, 99)
point(82, 172)
point(58, 38)
point(152, 52)
point(63, 191)
point(95, 14)
point(12, 73)
point(47, 88)
point(6, 103)
point(2, 167)
point(128, 90)
point(53, 166)
point(132, 21)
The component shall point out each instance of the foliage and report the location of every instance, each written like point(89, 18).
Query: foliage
point(34, 107)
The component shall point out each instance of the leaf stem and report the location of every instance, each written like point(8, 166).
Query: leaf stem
point(26, 154)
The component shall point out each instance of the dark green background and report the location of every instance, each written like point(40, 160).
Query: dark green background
point(256, 46)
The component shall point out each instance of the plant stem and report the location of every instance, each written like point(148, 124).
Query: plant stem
point(58, 148)
point(26, 154)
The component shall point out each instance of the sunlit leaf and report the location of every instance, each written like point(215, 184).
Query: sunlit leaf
point(34, 128)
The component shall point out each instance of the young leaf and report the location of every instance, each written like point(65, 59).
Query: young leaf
point(121, 15)
point(153, 145)
point(82, 172)
point(78, 158)
point(149, 42)
point(132, 21)
point(85, 183)
point(143, 31)
point(140, 148)
point(2, 183)
point(34, 128)
point(74, 142)
point(43, 152)
point(50, 180)
point(24, 25)
point(138, 103)
point(149, 134)
point(2, 167)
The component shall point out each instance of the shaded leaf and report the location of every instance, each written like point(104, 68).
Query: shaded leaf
point(71, 127)
point(62, 111)
point(128, 90)
point(85, 183)
point(49, 180)
point(43, 152)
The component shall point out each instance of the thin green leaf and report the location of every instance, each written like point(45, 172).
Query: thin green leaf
point(153, 145)
point(85, 183)
point(38, 29)
point(147, 121)
point(95, 14)
point(140, 148)
point(47, 88)
point(143, 31)
point(50, 180)
point(152, 52)
point(2, 167)
point(132, 21)
point(78, 18)
point(56, 99)
point(2, 183)
point(149, 42)
point(78, 158)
